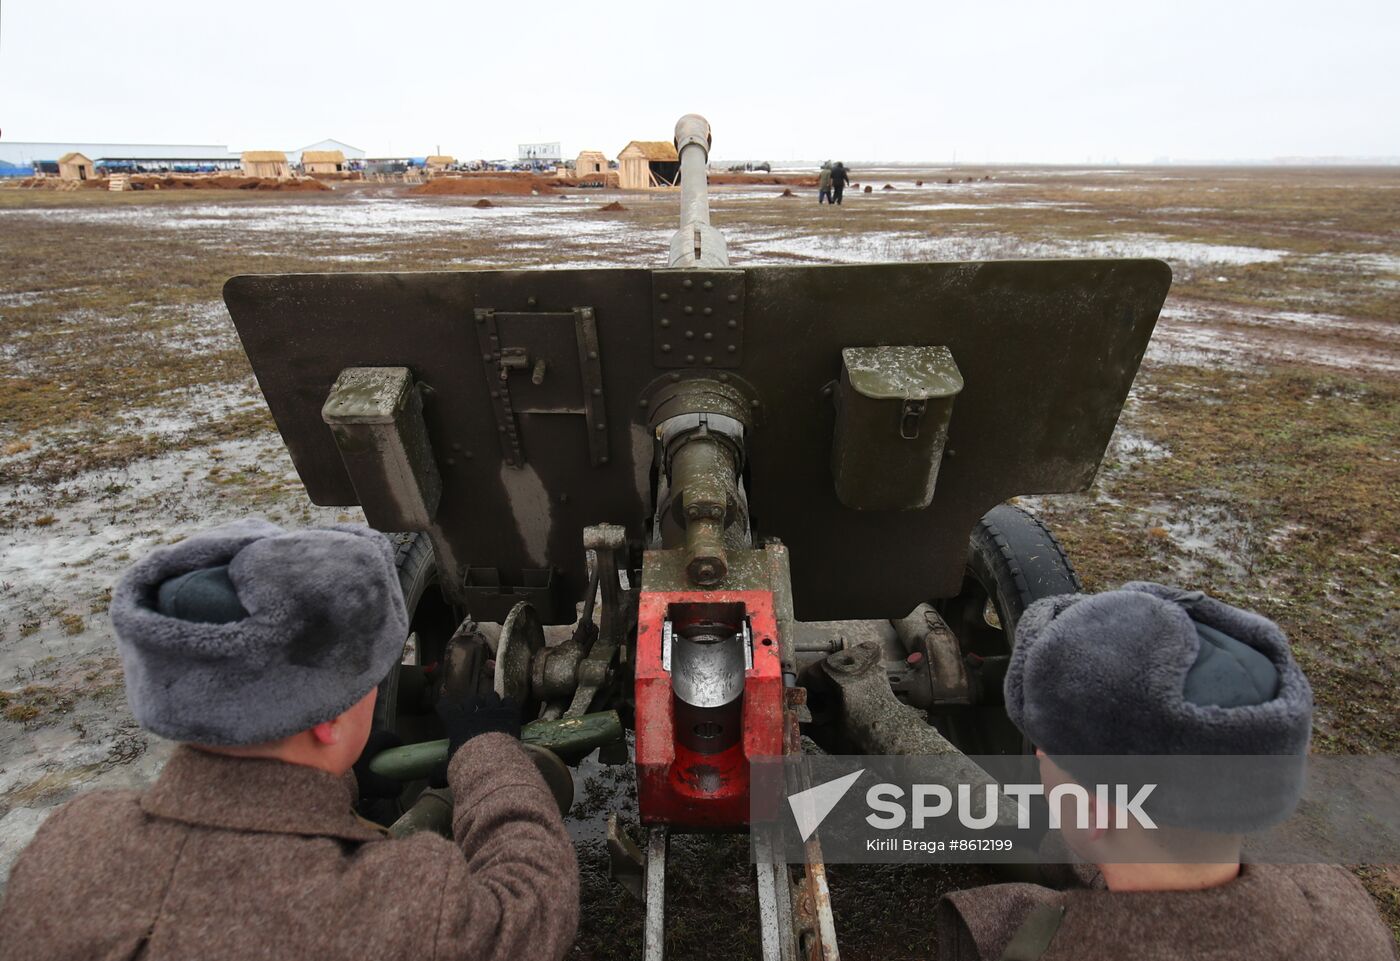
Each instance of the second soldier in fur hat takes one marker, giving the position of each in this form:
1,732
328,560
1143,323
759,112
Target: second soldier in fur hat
1154,675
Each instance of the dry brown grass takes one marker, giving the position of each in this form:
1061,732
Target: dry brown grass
1285,472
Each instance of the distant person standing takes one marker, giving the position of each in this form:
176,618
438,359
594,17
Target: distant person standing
824,185
840,177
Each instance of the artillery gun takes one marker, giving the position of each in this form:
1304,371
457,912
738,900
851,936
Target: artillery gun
749,503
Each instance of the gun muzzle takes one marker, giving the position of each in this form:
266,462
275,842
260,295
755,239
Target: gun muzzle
696,244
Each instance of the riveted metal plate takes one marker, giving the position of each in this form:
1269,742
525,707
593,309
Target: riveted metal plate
590,365
497,374
697,318
542,363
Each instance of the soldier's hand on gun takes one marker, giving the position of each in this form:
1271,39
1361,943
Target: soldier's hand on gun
465,716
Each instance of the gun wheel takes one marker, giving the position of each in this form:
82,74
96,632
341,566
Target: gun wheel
1013,561
403,701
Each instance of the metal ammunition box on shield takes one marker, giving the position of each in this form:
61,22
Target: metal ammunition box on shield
893,405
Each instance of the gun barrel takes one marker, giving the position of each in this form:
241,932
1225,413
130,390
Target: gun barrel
696,244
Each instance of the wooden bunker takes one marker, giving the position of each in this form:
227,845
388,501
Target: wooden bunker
646,164
322,162
265,163
75,166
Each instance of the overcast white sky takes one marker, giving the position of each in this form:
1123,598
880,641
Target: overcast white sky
991,80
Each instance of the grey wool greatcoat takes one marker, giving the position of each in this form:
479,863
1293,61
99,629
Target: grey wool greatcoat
1298,912
233,858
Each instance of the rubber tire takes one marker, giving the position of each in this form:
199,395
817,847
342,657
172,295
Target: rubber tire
1014,551
428,614
417,567
1013,561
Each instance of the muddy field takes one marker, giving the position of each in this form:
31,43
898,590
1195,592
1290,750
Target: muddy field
1258,457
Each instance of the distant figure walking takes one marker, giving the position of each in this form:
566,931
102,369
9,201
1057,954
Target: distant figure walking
824,185
840,176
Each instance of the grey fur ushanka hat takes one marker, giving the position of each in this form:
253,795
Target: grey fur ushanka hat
325,624
1153,670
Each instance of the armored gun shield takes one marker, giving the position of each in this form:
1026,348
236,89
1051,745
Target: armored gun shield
538,391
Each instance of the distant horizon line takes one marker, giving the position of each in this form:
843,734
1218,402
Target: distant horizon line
1325,160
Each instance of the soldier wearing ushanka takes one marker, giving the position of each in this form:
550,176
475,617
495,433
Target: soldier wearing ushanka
1151,670
261,650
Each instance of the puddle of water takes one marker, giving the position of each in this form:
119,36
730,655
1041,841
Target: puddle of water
599,791
23,299
909,246
1206,536
1190,333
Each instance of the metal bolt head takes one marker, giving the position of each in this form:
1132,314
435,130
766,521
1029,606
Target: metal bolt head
687,283
665,348
592,355
690,358
665,321
597,392
733,298
709,285
732,349
664,297
733,325
708,311
690,335
601,426
530,301
709,359
689,309
709,335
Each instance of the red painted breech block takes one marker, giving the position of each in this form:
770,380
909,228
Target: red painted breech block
677,786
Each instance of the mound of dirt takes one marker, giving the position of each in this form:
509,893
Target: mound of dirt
780,180
787,192
598,180
868,188
614,206
156,182
496,185
483,202
226,183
